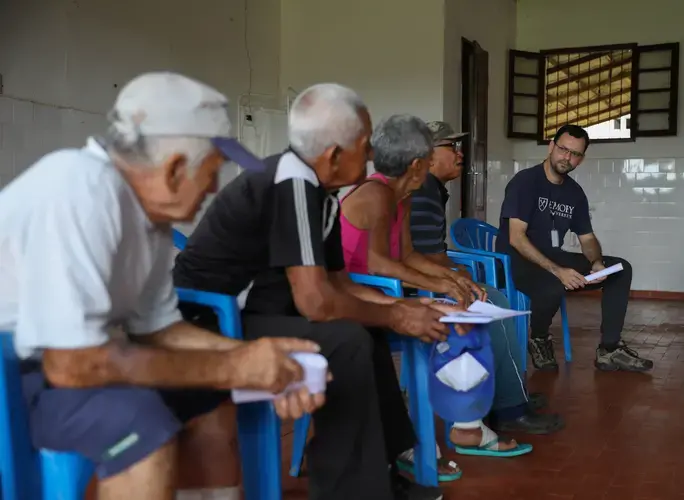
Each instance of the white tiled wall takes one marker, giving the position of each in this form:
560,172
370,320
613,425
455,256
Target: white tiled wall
28,131
63,62
637,210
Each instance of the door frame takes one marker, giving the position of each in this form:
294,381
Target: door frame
468,80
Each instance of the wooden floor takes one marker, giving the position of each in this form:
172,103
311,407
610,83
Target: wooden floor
623,430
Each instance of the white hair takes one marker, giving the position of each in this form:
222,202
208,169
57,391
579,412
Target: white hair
324,115
153,151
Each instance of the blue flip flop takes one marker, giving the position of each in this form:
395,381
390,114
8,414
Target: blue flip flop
487,451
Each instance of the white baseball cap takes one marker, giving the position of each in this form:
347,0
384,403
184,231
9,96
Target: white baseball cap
169,104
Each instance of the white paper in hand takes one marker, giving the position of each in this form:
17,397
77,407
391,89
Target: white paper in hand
604,272
463,373
481,313
315,375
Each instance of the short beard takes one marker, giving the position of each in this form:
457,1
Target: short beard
561,170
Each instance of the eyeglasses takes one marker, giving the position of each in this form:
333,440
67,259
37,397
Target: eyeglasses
455,146
574,154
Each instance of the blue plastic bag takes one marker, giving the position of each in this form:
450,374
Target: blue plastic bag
457,406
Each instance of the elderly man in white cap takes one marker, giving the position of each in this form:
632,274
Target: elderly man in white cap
85,248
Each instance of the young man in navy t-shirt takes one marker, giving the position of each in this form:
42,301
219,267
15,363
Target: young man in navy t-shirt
540,206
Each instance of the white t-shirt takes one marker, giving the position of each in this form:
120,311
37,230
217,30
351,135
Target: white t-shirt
79,257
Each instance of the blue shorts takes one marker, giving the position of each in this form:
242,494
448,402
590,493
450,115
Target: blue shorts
114,427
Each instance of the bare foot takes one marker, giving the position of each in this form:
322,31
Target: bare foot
473,437
445,467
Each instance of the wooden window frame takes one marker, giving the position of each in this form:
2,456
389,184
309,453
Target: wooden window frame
540,95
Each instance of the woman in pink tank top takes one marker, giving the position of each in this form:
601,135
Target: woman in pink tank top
375,215
376,239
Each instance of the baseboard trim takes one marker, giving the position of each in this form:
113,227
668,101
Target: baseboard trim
645,294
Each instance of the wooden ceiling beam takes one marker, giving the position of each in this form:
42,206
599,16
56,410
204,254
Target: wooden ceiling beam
576,108
595,87
575,62
587,74
593,118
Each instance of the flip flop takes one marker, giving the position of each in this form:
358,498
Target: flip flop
489,446
408,467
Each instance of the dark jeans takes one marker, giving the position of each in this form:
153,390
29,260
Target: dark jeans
546,292
364,424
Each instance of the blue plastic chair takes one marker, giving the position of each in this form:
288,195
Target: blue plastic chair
477,237
415,372
258,424
29,474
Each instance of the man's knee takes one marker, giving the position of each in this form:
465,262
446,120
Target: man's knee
344,339
115,428
626,272
348,346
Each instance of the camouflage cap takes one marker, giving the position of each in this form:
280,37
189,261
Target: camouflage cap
442,131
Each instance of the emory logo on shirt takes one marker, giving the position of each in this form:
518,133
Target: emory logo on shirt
556,209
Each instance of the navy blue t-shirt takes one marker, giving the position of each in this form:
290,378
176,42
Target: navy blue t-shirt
545,206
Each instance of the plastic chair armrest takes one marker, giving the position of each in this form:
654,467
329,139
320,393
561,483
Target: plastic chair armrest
389,286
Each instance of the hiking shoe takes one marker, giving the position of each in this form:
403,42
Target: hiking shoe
537,401
623,358
532,423
541,350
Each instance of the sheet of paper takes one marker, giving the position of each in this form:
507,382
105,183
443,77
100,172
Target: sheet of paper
605,272
481,313
315,372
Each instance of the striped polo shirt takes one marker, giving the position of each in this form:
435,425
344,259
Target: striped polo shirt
428,216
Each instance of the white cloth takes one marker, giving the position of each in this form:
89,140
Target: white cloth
79,257
463,373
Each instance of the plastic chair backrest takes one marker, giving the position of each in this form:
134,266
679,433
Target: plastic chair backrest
224,306
19,465
179,239
472,260
468,263
473,234
466,232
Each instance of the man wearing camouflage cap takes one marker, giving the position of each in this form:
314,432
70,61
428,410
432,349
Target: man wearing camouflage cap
513,410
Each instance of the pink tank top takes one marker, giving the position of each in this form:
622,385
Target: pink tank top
355,240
